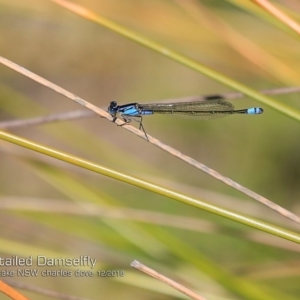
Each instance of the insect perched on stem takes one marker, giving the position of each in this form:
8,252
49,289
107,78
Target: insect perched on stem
210,108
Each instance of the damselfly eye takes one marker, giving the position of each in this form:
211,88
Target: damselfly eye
113,104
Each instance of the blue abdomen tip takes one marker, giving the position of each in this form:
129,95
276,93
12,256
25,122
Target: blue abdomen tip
255,111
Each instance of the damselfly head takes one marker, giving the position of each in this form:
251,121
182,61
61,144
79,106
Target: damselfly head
113,107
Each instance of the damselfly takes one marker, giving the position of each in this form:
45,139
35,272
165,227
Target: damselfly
210,108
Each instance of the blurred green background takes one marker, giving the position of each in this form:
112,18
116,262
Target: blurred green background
51,208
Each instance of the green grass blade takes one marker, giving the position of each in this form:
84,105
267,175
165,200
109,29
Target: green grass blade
188,62
150,187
